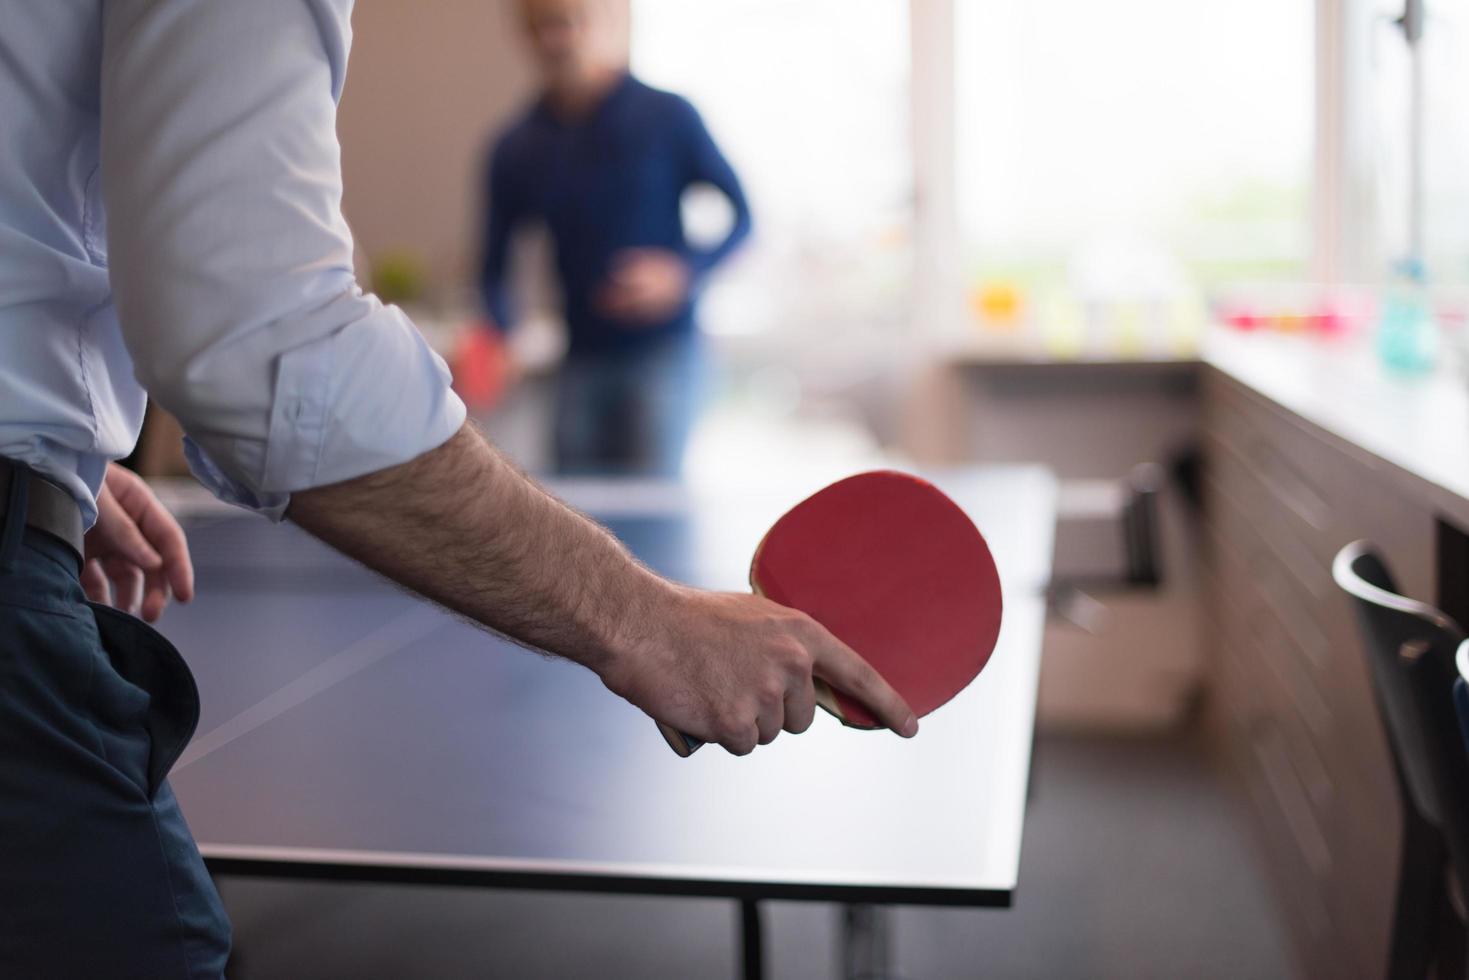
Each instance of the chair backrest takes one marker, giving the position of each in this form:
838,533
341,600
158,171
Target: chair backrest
1461,691
1411,648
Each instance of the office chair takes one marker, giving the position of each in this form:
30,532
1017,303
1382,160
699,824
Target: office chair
1410,649
1461,691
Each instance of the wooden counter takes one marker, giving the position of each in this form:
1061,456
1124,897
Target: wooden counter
1415,430
1308,447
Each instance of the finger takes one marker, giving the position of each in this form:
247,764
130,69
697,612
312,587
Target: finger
844,669
744,743
800,707
638,305
771,722
117,479
616,299
172,545
129,533
94,582
127,584
156,594
127,542
128,489
627,260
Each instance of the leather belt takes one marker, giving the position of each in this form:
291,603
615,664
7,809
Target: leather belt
49,508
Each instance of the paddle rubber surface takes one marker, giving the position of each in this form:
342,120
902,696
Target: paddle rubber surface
893,568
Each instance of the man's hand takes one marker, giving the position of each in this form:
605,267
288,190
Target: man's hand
138,545
463,527
645,287
736,669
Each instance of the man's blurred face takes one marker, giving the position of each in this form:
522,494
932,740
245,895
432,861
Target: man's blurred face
561,37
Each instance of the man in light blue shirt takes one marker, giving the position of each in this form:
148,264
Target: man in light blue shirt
170,224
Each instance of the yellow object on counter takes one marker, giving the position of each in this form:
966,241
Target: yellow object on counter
999,305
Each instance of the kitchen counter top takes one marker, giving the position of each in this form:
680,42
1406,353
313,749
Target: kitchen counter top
1416,428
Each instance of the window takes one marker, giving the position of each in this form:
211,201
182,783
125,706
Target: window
1129,153
810,103
1443,240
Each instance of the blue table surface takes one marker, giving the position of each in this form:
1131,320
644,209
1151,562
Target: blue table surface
344,719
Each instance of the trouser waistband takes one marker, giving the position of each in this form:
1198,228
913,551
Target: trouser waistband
29,500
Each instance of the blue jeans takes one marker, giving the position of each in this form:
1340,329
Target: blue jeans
99,876
629,413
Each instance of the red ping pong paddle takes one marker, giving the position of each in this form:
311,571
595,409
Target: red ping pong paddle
894,569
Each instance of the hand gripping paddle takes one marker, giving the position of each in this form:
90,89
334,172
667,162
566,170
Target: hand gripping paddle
894,569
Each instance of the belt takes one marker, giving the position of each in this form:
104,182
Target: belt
49,508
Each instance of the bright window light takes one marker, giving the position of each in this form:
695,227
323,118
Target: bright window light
1445,53
810,102
1139,147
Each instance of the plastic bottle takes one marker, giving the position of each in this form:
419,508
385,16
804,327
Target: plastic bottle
1407,331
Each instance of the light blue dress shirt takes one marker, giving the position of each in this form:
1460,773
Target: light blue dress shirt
170,223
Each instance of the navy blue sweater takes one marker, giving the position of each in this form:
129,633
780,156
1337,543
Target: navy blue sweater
603,183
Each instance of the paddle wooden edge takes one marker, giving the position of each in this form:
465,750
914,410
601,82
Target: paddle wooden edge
682,745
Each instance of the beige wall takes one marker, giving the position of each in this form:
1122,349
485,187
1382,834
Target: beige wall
428,83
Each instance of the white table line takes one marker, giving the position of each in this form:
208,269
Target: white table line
362,653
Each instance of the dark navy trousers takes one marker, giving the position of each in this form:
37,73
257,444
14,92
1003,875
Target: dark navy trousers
99,876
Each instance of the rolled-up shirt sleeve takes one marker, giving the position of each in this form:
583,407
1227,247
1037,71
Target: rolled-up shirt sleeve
230,262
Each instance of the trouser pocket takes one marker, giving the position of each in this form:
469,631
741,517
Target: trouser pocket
149,686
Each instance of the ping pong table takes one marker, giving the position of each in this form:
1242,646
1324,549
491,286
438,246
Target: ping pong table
350,731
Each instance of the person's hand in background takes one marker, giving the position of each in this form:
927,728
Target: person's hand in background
482,366
645,286
137,547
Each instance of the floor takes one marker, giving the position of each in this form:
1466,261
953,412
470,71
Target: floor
1136,865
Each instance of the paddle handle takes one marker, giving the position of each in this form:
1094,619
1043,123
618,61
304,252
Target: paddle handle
683,745
686,745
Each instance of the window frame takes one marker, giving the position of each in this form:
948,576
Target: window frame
1341,212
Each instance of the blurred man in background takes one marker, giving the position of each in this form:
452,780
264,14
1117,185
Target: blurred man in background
602,160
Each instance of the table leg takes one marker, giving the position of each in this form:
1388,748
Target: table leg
865,948
752,946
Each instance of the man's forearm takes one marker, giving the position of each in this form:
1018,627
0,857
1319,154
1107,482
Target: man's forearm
463,527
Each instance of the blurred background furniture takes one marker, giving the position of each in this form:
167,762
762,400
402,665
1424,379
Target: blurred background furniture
1308,448
1411,648
1126,549
1461,690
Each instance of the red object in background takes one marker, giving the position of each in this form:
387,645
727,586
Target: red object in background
1241,319
1345,312
1328,315
481,368
1332,321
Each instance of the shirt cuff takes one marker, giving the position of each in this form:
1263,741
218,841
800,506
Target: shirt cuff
369,396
